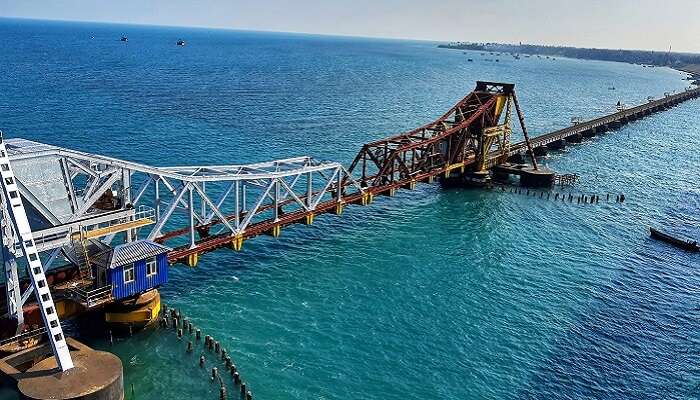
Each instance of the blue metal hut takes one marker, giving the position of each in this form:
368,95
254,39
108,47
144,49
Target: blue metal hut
136,267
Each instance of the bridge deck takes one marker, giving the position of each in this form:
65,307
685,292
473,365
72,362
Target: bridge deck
620,116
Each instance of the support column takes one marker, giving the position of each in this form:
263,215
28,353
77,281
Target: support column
126,193
190,206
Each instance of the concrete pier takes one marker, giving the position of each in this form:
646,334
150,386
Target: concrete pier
589,133
540,151
575,138
542,177
557,144
96,375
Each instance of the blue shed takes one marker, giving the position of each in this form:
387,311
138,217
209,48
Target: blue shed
136,267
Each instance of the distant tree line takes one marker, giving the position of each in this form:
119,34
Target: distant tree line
647,57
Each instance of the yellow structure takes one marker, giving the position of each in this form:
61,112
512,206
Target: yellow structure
108,230
136,313
450,168
237,242
192,260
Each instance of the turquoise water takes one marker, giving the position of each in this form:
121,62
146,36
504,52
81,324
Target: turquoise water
436,293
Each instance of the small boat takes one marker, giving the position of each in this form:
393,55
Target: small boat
180,42
470,60
124,39
682,243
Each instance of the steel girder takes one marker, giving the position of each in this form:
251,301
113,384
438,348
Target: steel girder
455,139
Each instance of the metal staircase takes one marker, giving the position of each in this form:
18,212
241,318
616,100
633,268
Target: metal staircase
20,224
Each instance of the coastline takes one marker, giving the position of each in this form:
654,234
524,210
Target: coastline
693,70
683,62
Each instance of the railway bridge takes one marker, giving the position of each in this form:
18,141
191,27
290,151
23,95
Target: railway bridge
63,209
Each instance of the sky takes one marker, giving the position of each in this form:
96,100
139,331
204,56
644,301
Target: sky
628,24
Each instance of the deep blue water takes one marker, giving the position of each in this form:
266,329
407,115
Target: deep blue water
449,294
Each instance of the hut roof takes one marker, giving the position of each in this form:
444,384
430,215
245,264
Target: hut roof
128,253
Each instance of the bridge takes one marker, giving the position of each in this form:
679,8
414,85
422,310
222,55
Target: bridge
575,133
60,204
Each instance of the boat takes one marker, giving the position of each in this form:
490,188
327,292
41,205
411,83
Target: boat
682,243
180,42
124,39
470,60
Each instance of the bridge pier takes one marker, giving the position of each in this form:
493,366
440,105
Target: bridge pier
540,151
575,138
500,176
543,177
557,144
96,374
589,133
516,158
476,178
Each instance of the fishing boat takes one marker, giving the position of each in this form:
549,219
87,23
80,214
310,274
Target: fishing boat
682,243
180,42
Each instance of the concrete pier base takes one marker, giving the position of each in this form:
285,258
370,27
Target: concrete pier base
589,133
575,138
500,176
516,158
540,151
557,145
96,375
476,179
542,177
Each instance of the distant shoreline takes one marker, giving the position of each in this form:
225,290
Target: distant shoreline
684,62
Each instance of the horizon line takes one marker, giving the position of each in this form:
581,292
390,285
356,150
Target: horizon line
340,35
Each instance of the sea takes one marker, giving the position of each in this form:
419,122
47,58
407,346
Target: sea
437,293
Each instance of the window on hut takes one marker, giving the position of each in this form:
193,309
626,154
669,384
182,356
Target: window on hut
129,273
151,266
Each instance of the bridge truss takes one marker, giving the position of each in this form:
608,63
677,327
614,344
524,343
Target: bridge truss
474,134
194,208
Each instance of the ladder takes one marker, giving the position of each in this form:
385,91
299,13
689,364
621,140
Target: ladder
82,257
20,223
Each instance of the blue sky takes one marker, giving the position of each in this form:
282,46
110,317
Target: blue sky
639,24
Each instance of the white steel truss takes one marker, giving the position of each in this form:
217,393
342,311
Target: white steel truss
13,209
188,204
